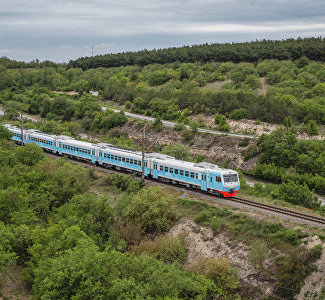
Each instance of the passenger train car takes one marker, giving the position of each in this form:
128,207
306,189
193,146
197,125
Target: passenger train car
203,176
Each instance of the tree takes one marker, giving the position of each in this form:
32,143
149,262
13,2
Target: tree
312,128
152,209
178,151
5,134
287,122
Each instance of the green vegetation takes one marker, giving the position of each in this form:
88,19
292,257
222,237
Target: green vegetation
300,49
288,270
298,165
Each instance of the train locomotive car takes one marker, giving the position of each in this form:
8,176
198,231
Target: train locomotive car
204,176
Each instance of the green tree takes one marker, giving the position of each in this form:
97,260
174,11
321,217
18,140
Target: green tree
5,134
151,208
178,151
312,128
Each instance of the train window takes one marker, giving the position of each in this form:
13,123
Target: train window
192,175
139,162
176,171
120,158
186,173
196,176
166,169
145,164
230,178
210,179
127,160
123,159
161,168
171,170
218,179
131,161
181,172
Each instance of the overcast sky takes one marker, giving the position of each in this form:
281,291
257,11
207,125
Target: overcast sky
60,30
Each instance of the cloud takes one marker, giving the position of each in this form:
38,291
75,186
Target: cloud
66,29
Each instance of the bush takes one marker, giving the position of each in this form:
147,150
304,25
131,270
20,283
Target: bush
178,151
166,248
238,114
244,143
5,134
221,272
298,194
125,182
220,119
152,208
250,152
179,126
312,128
158,124
187,135
224,128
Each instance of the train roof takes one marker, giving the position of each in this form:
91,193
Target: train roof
76,143
186,165
41,134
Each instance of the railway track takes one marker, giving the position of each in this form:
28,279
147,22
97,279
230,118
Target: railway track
266,207
279,210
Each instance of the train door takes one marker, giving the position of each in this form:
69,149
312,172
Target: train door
100,157
146,168
203,181
155,170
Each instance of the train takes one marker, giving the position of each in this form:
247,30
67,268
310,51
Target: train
203,176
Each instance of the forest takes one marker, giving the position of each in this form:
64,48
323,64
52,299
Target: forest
290,49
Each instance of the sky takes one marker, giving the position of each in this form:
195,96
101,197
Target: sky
61,30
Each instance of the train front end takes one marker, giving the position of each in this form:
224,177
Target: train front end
230,183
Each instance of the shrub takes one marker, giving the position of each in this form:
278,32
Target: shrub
187,135
178,151
312,128
238,114
221,272
244,142
124,182
166,248
158,124
179,126
203,217
250,152
219,119
151,208
5,134
130,232
298,194
224,128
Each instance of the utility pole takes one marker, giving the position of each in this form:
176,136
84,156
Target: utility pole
143,147
22,129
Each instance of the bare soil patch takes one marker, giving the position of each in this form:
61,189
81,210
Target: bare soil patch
215,85
14,286
202,242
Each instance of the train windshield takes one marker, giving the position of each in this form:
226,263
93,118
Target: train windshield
230,178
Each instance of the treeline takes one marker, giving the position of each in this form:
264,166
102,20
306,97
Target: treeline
13,64
313,48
